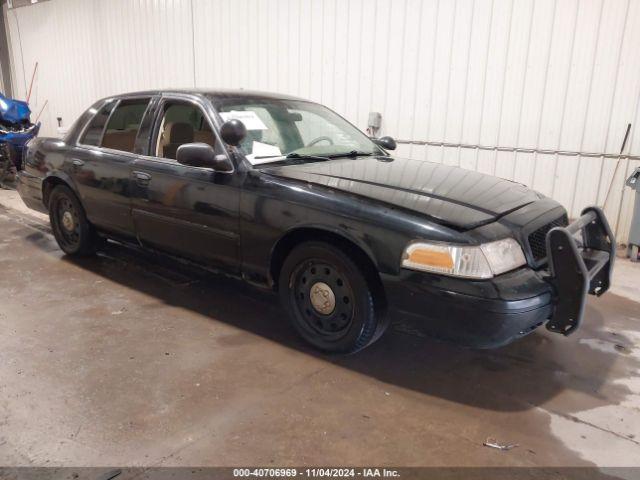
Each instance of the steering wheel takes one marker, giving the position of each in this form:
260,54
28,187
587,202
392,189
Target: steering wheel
318,140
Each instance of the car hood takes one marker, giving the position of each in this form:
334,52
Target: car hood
460,198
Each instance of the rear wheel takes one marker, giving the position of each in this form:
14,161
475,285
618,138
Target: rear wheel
328,298
73,232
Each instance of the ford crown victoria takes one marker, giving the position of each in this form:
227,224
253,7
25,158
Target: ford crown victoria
288,195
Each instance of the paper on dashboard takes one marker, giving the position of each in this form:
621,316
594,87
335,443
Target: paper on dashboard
259,149
250,119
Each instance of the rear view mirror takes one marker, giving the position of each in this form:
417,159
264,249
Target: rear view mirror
233,132
285,115
388,143
202,155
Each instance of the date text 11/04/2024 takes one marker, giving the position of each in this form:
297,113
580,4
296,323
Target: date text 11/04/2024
316,472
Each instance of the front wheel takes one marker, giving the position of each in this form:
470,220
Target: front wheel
328,299
73,232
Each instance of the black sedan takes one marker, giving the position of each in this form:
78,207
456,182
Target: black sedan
290,196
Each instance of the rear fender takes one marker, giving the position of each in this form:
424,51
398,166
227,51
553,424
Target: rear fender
54,178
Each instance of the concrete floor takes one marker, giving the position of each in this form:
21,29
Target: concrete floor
116,360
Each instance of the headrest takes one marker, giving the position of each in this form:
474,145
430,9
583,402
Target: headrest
179,132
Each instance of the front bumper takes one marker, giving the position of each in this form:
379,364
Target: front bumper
579,267
492,313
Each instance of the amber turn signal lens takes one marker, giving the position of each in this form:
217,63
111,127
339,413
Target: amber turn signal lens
432,258
468,261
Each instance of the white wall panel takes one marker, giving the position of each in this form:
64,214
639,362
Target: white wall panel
560,75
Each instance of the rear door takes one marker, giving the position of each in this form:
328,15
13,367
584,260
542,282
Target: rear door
190,211
101,163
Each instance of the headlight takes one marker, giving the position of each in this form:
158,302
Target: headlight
484,261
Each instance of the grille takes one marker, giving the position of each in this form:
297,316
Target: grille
537,239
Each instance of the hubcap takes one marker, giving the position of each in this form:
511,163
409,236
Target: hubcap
323,297
67,221
323,300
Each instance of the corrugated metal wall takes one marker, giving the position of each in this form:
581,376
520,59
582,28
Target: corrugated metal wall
544,74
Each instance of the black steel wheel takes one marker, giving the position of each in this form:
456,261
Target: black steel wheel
74,234
328,298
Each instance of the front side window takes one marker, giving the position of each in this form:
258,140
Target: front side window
93,133
123,125
182,122
281,128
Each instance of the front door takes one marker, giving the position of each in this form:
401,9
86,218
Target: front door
190,211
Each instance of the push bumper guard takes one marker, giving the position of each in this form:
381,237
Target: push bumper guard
578,267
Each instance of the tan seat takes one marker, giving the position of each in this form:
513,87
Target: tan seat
123,140
176,134
204,136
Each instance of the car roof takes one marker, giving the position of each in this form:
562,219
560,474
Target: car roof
217,94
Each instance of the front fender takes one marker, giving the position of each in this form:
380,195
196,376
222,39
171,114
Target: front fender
272,208
357,240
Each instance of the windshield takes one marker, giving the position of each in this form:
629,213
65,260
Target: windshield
280,129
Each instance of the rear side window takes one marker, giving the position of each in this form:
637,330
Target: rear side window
123,125
93,133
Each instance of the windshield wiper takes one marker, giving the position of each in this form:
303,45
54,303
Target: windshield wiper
313,158
292,155
307,157
281,159
267,156
352,153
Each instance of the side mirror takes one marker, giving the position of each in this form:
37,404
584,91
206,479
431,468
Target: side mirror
233,132
388,143
202,155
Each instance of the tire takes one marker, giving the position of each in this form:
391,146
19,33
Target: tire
73,232
328,298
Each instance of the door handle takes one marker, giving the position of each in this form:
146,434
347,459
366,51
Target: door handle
77,163
142,178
